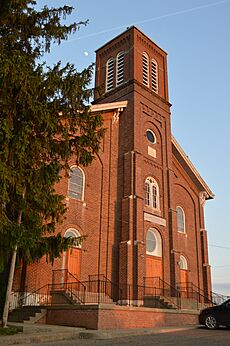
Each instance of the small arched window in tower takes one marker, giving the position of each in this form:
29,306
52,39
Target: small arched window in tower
76,183
109,74
152,193
120,68
180,220
145,67
153,243
154,71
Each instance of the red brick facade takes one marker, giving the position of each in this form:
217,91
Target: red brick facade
113,317
113,213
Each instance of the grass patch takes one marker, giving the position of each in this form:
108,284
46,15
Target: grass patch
8,331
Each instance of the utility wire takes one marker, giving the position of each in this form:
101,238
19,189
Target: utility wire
193,9
221,247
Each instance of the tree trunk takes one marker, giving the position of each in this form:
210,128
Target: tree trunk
11,274
9,288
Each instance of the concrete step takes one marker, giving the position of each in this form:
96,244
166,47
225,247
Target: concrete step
38,316
24,314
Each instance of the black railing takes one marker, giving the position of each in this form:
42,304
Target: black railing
39,297
154,293
159,288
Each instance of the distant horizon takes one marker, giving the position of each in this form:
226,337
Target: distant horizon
221,288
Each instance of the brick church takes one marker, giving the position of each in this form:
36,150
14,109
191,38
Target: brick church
141,202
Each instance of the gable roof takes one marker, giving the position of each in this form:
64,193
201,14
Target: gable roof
190,169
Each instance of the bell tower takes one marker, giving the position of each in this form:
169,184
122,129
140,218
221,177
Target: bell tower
128,58
132,68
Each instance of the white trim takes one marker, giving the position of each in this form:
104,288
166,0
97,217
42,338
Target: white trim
109,80
210,194
83,184
108,106
158,240
154,70
145,69
152,183
155,138
73,234
184,231
120,68
183,263
154,219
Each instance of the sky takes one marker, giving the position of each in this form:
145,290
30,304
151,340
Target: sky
196,36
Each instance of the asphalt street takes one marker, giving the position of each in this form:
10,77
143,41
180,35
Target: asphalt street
199,336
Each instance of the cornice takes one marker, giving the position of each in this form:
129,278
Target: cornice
196,174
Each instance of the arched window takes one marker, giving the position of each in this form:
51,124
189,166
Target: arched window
73,233
145,68
109,74
76,183
183,264
120,68
152,193
153,243
154,72
180,219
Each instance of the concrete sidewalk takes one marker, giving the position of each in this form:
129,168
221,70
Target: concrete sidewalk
35,333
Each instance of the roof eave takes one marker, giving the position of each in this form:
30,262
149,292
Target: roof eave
210,194
102,107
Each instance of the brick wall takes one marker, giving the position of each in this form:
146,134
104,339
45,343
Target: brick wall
112,212
119,317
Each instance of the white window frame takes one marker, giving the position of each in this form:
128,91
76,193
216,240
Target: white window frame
158,239
120,68
109,74
183,263
83,184
154,76
73,233
152,198
180,230
145,69
154,136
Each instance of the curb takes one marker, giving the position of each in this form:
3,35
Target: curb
111,334
36,338
53,335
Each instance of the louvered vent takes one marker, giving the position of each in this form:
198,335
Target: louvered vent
154,76
109,74
145,62
120,68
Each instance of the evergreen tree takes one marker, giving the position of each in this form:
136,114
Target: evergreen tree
44,121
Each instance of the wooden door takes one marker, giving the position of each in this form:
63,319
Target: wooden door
184,283
73,261
154,274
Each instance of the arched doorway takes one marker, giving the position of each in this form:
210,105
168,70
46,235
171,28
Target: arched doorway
154,263
183,265
72,257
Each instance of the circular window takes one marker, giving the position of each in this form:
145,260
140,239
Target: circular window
150,242
150,136
153,243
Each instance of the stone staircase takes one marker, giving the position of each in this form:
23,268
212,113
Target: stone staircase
27,314
159,302
89,297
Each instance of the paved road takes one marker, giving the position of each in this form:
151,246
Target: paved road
198,337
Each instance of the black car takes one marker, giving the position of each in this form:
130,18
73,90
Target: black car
215,316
